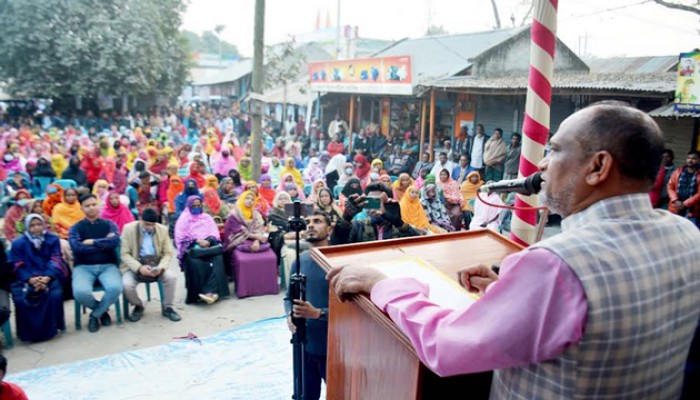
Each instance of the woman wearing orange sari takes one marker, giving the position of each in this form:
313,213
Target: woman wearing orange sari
54,196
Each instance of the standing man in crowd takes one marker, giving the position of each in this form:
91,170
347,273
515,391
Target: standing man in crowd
588,336
476,146
147,254
94,242
315,309
512,163
659,195
443,163
684,189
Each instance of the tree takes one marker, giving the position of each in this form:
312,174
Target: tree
434,30
58,48
284,65
209,43
689,6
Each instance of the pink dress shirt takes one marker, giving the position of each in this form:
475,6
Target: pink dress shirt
533,312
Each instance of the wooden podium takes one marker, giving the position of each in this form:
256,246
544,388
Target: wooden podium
368,356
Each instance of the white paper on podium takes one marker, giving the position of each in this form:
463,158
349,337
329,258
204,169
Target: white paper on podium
444,291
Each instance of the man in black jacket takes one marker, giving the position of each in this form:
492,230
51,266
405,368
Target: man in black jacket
383,223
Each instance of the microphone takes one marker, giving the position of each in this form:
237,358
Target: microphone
525,186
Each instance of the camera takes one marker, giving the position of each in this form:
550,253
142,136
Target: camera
298,210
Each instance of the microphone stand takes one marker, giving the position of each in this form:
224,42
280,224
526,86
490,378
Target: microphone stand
297,290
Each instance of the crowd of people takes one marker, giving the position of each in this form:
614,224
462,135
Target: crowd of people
120,200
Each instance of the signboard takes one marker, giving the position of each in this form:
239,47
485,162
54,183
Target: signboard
381,76
687,97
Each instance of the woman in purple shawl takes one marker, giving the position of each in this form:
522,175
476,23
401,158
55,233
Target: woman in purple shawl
196,231
252,258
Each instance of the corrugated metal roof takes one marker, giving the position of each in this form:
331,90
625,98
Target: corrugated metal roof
657,83
434,57
230,74
667,111
633,65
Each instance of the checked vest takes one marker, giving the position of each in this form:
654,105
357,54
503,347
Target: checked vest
640,269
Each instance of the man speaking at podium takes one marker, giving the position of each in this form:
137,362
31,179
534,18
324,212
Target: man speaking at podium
606,309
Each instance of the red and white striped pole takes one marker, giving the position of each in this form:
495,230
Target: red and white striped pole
537,109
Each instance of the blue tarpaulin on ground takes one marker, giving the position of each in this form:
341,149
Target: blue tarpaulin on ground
253,361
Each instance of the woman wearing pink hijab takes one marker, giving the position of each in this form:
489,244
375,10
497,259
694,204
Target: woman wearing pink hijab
224,164
115,211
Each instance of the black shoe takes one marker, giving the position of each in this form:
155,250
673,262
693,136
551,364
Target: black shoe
105,319
172,314
94,324
136,315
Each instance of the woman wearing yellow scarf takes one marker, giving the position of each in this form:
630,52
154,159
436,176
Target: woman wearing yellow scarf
468,189
412,212
255,264
59,164
291,168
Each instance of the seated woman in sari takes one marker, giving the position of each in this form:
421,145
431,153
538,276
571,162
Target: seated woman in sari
434,208
205,278
413,213
254,262
316,186
67,213
278,223
288,179
37,291
227,191
14,213
215,208
327,204
266,191
260,204
115,211
54,195
453,198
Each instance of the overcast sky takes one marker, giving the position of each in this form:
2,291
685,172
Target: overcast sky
612,27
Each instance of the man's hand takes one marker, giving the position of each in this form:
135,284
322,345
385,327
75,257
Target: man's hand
290,325
304,309
353,206
203,243
678,205
353,279
111,234
146,270
88,242
476,278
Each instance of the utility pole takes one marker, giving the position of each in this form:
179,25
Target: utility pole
256,86
337,35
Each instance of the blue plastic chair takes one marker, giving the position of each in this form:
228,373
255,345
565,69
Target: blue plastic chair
66,183
39,185
7,332
97,287
161,289
336,191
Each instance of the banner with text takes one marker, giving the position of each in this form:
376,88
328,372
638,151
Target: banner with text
381,76
688,84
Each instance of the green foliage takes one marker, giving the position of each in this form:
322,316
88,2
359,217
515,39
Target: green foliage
284,64
208,43
56,48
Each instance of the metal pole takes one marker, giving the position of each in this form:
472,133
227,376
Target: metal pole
256,86
431,146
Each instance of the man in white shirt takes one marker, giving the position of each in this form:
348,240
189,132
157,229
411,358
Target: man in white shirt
476,149
443,163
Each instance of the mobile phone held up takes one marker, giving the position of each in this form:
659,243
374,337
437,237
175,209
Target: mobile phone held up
372,203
